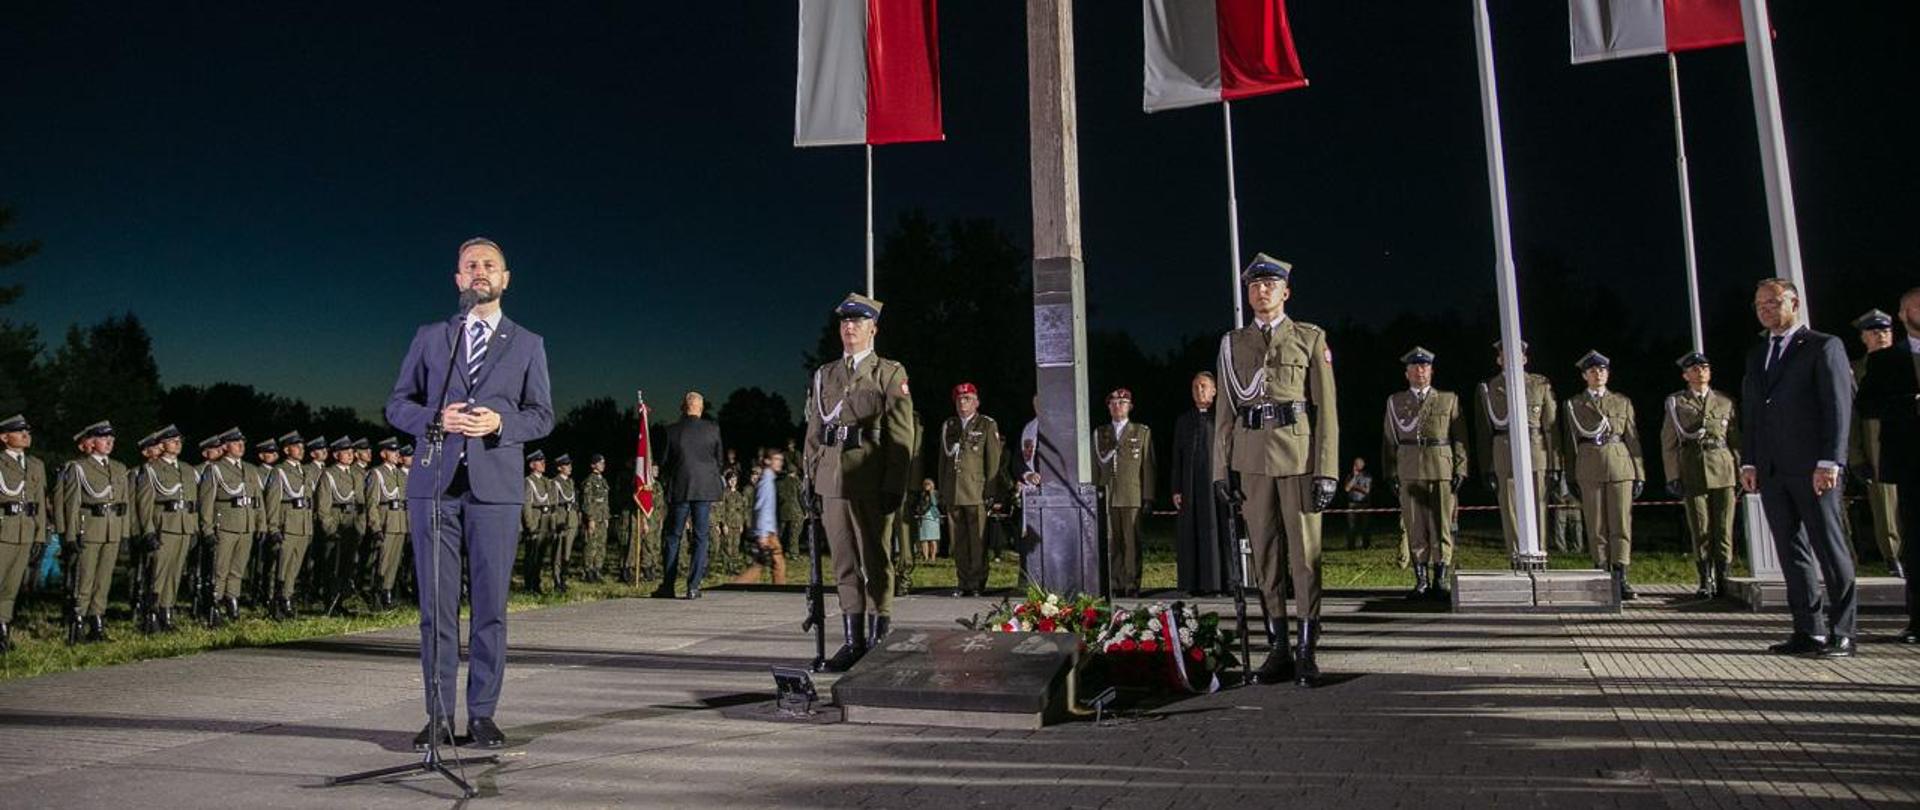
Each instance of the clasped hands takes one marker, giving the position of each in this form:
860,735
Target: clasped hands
470,420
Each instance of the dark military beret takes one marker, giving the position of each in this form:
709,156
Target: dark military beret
1592,359
1874,319
857,306
100,428
1418,356
1264,266
1691,359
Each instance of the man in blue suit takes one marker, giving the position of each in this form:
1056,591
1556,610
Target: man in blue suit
1890,392
1796,403
489,376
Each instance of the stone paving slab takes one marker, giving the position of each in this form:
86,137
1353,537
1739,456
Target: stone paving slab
641,703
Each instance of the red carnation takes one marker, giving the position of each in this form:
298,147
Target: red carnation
1129,645
1090,616
1046,625
1018,609
1197,655
1150,646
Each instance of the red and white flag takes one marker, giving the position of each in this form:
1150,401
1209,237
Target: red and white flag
1616,29
643,459
869,73
1205,51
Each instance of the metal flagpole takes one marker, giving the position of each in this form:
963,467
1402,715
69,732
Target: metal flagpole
1686,204
1773,148
1528,556
1233,220
869,220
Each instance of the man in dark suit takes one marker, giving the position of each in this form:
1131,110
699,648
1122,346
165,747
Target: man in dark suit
496,398
1196,549
690,459
1797,401
1890,392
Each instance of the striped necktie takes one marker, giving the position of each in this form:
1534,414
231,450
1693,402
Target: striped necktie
476,352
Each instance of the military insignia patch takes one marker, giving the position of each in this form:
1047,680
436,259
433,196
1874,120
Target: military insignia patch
1326,353
903,389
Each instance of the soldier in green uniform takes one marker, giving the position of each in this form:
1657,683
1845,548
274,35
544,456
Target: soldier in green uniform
729,515
650,525
23,515
596,513
317,452
266,453
1698,438
900,526
386,499
1883,499
1603,444
289,498
1423,449
227,516
1277,432
857,460
1496,456
537,521
792,516
971,464
566,520
91,505
339,513
166,517
1124,467
141,546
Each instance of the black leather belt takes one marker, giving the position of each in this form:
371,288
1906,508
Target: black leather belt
544,509
1531,431
299,503
242,502
1271,414
1424,442
847,437
1707,444
396,506
105,509
349,508
1599,440
173,506
19,508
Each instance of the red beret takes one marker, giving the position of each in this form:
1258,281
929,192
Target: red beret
1120,393
965,388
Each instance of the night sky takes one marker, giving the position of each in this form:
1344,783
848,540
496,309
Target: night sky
277,189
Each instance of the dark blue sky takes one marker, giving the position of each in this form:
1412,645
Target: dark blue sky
277,188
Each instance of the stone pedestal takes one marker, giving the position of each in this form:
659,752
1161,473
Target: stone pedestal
1589,591
964,678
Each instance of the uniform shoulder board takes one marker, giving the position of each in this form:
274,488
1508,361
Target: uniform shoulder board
1307,327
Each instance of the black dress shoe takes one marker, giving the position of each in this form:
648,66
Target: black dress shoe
485,734
1837,647
1911,635
1797,644
446,735
662,593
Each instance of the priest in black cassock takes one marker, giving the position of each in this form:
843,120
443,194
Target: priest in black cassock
1196,546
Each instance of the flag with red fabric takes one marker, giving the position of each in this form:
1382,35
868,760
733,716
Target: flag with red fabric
643,459
1206,51
869,73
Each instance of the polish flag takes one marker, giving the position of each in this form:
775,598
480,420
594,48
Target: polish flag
1616,29
643,459
869,73
1205,51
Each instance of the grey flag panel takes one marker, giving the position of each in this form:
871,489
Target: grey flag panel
830,96
1182,54
1614,29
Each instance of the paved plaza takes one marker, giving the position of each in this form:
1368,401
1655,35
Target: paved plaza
653,703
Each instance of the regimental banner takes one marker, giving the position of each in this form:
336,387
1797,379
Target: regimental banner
869,73
643,493
1207,51
1617,29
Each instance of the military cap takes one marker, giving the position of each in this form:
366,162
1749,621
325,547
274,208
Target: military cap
1120,393
100,428
596,458
1874,319
291,437
317,443
16,422
149,440
232,435
1418,356
965,388
563,460
163,434
1592,359
1523,345
537,455
266,446
1691,359
857,306
389,443
362,444
342,443
211,443
406,449
1264,266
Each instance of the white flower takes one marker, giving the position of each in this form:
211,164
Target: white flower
1049,610
1154,625
1186,637
1053,599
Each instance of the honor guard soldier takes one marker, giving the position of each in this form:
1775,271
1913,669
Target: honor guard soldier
1496,457
266,453
1883,499
362,456
970,465
228,503
567,523
596,512
1424,452
23,516
340,513
211,449
317,452
1277,432
289,518
386,499
142,545
91,506
167,517
537,521
1603,445
1124,467
1697,438
858,461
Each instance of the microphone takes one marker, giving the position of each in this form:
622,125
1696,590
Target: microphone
468,298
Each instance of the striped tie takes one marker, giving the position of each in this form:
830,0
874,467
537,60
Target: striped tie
476,352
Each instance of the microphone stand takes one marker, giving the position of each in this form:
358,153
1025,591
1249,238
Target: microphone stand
432,761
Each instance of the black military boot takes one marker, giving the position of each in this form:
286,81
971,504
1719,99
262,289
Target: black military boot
1720,579
1420,583
1278,668
233,608
878,625
1706,580
6,638
74,631
1438,591
560,581
1276,635
96,629
854,625
1620,581
1306,673
165,620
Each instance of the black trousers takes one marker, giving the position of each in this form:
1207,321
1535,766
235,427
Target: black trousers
1812,544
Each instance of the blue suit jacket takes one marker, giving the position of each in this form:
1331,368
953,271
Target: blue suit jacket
513,383
1797,415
